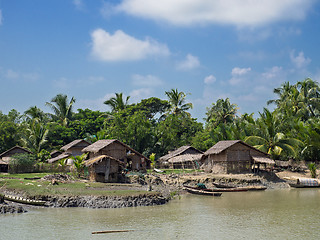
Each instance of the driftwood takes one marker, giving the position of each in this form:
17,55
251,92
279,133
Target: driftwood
112,231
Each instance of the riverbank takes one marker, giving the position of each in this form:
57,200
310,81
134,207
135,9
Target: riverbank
153,189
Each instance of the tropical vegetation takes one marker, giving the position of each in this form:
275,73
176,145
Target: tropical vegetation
287,128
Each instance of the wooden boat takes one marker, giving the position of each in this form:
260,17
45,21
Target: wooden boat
199,191
249,188
24,201
305,183
235,189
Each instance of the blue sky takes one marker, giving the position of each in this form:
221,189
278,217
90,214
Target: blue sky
241,49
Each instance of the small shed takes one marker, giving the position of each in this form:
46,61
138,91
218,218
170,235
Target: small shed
183,157
71,149
107,159
6,156
233,156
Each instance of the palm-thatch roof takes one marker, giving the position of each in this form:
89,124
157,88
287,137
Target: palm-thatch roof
100,144
74,143
3,162
185,158
13,148
178,152
223,145
98,159
263,160
61,156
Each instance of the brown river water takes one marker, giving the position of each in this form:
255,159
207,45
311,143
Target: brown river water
272,214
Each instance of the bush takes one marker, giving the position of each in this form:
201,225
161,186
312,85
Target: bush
22,163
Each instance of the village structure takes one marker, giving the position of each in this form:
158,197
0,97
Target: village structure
108,160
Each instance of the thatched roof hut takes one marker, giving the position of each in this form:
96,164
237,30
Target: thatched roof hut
183,157
5,157
107,159
233,156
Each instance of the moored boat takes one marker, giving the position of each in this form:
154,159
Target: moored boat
305,183
24,201
199,191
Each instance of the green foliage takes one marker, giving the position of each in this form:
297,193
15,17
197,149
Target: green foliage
117,103
313,169
177,101
78,163
22,163
152,157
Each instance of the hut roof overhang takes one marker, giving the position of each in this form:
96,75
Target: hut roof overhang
224,145
179,151
99,145
61,156
263,160
3,162
185,158
98,159
11,149
74,143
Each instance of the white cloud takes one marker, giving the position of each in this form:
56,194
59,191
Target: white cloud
299,61
137,94
210,79
78,4
146,81
14,75
238,75
240,71
123,47
234,12
272,73
191,62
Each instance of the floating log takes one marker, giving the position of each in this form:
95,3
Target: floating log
112,231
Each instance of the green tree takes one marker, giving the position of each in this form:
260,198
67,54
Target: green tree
62,108
117,103
177,102
270,139
221,112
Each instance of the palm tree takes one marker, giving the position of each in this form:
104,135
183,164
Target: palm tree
270,139
35,112
221,112
177,102
61,108
117,103
35,135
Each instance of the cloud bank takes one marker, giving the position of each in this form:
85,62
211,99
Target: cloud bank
123,47
233,12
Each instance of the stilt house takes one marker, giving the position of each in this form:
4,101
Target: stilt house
234,157
183,157
108,158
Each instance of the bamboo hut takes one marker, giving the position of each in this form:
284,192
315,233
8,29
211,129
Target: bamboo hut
71,149
183,157
6,156
234,157
107,159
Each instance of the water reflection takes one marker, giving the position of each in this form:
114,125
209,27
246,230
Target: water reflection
276,214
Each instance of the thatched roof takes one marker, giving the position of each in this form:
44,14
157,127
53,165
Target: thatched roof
74,143
177,152
98,159
12,149
3,162
99,145
223,145
61,156
185,158
263,160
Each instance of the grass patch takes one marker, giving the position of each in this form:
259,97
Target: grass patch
16,182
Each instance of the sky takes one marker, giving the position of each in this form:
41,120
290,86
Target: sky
210,49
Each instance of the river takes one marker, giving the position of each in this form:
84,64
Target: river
272,214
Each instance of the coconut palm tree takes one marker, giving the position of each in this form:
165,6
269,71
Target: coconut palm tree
35,112
221,112
61,108
117,103
270,139
177,102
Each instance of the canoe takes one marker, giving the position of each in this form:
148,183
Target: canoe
202,191
235,189
24,201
